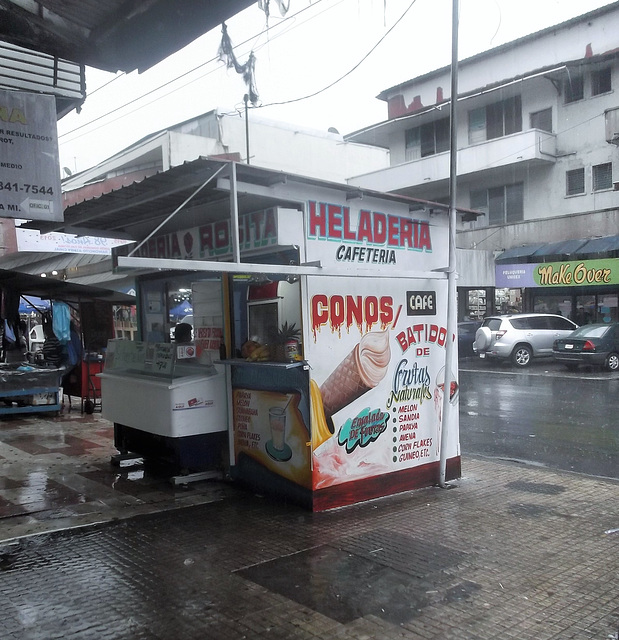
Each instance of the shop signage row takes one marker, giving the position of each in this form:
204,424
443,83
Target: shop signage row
335,234
570,273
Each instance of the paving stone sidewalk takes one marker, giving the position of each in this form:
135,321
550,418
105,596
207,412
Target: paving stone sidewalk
512,552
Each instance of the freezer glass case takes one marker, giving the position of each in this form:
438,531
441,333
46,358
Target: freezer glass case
163,389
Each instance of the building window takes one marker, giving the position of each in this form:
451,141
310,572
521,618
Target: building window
600,81
542,120
495,120
575,182
602,176
573,88
503,205
427,140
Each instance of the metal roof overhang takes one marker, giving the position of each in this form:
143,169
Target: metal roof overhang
50,289
115,35
136,210
159,204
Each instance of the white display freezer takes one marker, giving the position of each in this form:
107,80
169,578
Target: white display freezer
186,406
165,404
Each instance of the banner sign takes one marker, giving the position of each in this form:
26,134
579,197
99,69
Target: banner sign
377,377
572,273
213,240
53,242
29,165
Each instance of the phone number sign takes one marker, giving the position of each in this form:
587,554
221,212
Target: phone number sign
29,166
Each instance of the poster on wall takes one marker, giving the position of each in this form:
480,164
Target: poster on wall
29,166
378,377
207,317
269,429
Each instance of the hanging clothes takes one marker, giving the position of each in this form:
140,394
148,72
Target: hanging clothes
61,319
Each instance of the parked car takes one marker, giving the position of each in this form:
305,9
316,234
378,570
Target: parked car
466,337
520,337
593,344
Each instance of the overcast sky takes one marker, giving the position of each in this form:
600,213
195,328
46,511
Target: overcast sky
318,43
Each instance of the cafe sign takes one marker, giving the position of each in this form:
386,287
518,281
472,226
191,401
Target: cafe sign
570,273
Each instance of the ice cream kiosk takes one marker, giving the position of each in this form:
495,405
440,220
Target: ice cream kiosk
331,310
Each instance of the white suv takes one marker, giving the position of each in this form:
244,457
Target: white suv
520,337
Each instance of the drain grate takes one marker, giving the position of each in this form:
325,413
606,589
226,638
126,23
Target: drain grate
543,488
534,510
381,573
342,586
412,555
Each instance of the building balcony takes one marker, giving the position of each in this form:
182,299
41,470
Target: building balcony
526,148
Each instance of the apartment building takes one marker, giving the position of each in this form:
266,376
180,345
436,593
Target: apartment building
537,134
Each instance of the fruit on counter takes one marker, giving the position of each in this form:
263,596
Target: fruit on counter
260,354
249,347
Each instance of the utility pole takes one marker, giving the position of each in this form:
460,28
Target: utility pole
246,100
452,302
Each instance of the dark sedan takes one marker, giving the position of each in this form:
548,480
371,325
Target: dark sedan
593,344
466,337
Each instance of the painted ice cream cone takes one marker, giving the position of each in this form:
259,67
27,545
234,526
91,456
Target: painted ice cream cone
362,369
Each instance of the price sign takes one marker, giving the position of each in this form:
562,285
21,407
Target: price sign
163,360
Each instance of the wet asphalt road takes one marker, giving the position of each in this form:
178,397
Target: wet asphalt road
542,415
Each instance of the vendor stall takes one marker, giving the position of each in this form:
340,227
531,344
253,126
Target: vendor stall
326,308
26,388
34,378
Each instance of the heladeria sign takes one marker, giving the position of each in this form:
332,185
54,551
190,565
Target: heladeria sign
29,168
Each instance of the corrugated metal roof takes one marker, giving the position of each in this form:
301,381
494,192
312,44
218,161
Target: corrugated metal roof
138,208
114,35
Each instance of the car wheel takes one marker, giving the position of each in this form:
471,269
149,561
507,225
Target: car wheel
612,362
483,338
522,355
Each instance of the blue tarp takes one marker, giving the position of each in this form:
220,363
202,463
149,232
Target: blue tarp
30,304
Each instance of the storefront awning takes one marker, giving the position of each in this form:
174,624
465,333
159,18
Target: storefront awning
519,252
599,245
564,248
578,247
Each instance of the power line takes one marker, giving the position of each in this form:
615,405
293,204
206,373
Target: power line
356,66
173,80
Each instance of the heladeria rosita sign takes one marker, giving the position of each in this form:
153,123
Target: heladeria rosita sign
377,384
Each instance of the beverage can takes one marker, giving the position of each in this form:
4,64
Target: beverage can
292,350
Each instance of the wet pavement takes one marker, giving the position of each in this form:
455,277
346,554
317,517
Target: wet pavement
56,472
544,415
512,551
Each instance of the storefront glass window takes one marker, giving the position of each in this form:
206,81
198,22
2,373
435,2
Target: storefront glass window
607,308
508,300
559,304
476,307
586,311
